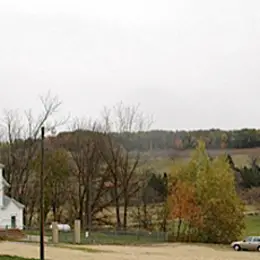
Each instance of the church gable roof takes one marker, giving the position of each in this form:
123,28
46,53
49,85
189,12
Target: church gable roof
7,200
5,183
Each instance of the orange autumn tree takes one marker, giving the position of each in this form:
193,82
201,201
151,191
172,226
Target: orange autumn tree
184,209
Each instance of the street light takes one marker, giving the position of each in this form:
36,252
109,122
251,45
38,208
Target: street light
42,196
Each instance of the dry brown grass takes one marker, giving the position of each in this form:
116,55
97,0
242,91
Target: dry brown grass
164,252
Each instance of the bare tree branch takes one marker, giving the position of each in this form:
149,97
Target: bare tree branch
21,132
121,122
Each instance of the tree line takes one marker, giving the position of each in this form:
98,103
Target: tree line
181,140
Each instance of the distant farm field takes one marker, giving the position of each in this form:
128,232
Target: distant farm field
163,161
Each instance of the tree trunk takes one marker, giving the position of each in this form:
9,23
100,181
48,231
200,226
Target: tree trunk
117,204
59,215
139,217
29,213
178,229
54,210
80,213
125,212
118,218
189,233
25,217
45,215
164,219
145,222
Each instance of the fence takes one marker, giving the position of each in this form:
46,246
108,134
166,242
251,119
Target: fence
115,237
107,237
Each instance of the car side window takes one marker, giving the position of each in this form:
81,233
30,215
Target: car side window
256,239
249,239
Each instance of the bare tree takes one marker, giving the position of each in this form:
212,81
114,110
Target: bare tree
120,124
90,174
146,195
21,143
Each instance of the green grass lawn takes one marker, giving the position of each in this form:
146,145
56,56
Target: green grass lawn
8,257
252,226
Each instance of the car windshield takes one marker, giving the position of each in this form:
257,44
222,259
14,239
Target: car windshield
248,239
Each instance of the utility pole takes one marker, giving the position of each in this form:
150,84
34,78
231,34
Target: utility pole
42,197
89,203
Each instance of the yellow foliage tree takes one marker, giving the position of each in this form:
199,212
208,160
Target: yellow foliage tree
212,184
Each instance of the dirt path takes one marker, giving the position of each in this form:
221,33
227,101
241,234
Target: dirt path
163,252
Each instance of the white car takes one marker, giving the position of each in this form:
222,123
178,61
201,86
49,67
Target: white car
63,227
251,243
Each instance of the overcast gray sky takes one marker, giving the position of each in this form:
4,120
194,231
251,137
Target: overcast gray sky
192,64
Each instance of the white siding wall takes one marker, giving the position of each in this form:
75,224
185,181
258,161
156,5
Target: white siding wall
7,213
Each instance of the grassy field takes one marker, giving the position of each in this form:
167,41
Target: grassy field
164,163
252,226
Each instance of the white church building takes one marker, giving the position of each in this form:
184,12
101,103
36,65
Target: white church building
11,211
